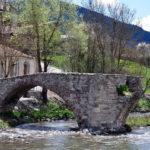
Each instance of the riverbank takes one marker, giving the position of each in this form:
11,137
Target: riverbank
50,112
134,120
138,120
4,124
54,111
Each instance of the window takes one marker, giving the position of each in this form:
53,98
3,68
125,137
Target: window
26,69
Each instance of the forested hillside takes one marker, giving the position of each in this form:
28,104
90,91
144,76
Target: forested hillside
140,35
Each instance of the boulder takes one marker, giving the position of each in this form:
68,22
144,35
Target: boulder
27,104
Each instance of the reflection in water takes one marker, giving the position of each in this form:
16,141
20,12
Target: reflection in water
42,137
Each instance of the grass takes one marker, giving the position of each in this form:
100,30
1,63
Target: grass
137,69
52,110
140,70
4,124
60,61
138,121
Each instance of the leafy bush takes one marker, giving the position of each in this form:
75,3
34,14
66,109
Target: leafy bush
143,105
11,114
122,89
52,110
16,113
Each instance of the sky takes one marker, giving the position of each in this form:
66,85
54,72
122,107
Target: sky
141,7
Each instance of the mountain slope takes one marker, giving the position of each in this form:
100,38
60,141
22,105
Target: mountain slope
140,35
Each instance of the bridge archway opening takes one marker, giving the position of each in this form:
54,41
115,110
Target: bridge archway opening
17,97
37,93
19,93
33,98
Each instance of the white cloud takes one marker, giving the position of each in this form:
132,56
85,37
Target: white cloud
145,22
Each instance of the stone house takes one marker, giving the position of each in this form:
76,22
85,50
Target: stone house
16,63
12,61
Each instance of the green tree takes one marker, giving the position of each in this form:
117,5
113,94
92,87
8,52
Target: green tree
43,22
47,19
75,45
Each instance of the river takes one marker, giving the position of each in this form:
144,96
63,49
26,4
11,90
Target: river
57,135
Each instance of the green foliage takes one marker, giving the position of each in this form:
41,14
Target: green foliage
75,47
43,22
143,105
16,113
4,124
52,110
134,68
138,121
122,89
11,114
60,61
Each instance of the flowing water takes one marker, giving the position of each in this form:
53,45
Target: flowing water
58,136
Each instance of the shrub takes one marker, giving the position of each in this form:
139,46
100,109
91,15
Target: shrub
143,105
123,89
50,111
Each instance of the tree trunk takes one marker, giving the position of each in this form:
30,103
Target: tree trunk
38,49
44,90
44,95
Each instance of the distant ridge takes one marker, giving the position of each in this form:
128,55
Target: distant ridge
140,35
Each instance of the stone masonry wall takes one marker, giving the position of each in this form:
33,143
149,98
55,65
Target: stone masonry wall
92,97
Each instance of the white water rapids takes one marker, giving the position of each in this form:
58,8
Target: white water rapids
56,136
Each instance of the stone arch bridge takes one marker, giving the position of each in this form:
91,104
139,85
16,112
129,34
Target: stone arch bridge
92,97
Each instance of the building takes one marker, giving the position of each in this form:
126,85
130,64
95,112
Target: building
16,63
